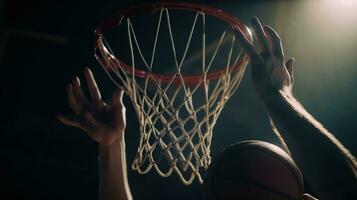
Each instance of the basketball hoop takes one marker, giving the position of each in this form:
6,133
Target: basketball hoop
176,107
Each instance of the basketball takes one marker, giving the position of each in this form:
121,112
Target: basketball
253,170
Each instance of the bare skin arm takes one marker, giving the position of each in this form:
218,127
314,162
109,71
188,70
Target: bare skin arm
104,123
327,165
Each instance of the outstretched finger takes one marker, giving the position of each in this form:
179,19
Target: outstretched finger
72,102
117,97
260,35
246,45
276,45
68,121
92,86
78,92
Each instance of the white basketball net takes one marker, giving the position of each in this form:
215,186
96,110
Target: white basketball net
175,127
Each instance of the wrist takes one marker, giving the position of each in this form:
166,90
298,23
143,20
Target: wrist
110,138
284,101
277,96
106,151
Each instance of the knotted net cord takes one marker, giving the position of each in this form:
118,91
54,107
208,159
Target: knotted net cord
172,124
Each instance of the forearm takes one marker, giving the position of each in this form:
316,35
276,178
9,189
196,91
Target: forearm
113,173
327,164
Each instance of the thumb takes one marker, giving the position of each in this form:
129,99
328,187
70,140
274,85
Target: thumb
68,120
289,65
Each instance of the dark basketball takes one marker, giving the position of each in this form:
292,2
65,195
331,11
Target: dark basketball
253,170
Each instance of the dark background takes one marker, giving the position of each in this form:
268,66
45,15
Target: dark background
44,44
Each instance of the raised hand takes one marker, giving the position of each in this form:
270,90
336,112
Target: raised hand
270,72
104,123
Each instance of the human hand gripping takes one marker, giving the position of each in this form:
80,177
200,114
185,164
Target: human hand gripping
271,74
104,123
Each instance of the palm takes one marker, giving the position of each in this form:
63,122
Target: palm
271,74
104,123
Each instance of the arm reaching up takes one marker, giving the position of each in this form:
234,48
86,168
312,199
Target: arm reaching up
327,165
104,123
